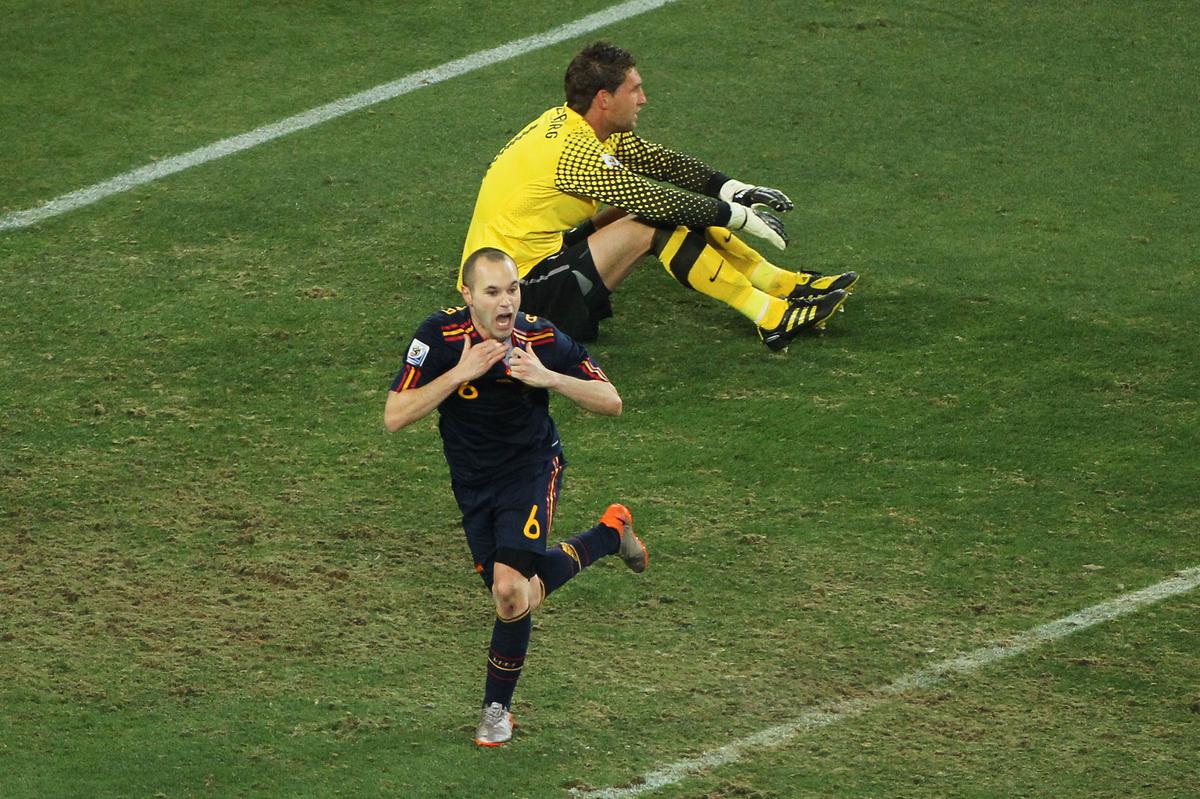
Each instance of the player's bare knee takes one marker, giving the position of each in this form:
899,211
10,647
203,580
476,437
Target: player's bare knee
511,598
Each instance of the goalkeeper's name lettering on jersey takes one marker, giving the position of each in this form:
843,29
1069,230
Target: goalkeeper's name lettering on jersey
554,124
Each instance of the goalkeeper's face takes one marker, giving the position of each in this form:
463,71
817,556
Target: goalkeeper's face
494,295
623,105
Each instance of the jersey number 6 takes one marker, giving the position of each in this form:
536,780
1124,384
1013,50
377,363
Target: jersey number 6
532,528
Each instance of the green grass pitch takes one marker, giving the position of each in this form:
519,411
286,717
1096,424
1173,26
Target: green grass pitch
219,577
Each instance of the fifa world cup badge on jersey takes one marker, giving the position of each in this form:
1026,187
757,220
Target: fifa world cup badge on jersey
610,161
417,352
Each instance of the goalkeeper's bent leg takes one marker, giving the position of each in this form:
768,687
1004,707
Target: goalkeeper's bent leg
693,262
763,274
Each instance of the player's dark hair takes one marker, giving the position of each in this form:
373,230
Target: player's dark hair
598,66
490,253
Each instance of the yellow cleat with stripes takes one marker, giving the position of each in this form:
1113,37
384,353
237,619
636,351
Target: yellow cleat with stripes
802,315
815,284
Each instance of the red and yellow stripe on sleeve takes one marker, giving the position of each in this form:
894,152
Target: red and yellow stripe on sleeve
410,379
593,371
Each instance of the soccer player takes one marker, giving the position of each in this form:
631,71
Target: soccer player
540,197
489,370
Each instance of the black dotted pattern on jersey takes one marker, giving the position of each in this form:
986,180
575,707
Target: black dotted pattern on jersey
582,170
655,161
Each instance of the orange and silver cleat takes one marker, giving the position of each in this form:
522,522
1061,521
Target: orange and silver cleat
632,550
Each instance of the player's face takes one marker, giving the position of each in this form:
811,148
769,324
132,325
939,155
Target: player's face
494,297
625,102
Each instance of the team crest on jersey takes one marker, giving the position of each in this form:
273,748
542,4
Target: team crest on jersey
610,161
417,352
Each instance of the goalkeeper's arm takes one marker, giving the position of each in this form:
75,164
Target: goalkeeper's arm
657,162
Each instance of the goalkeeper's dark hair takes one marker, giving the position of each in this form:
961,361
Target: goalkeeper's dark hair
490,253
598,66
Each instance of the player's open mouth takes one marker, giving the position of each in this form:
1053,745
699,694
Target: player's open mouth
504,319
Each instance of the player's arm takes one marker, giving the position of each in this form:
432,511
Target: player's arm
408,405
663,205
634,194
597,396
658,162
662,163
586,171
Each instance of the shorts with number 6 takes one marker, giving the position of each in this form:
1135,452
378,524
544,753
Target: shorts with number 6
509,519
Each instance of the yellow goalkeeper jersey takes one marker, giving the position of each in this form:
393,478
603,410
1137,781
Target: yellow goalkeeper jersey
553,175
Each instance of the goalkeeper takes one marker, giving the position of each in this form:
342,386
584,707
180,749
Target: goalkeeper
540,202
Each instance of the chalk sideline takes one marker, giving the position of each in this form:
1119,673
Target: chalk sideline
315,116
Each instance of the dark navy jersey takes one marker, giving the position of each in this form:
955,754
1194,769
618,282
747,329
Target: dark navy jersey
493,424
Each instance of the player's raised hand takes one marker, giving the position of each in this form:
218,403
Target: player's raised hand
734,191
478,358
526,366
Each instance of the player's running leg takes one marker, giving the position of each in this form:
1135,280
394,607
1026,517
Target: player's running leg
519,597
506,653
613,535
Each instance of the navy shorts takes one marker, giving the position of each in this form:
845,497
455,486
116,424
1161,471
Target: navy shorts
566,289
509,520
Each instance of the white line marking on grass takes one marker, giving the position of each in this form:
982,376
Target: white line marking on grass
833,712
324,113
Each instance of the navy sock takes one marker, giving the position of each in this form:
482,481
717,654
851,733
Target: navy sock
566,559
510,642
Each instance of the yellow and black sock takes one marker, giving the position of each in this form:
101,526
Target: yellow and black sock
763,274
691,260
